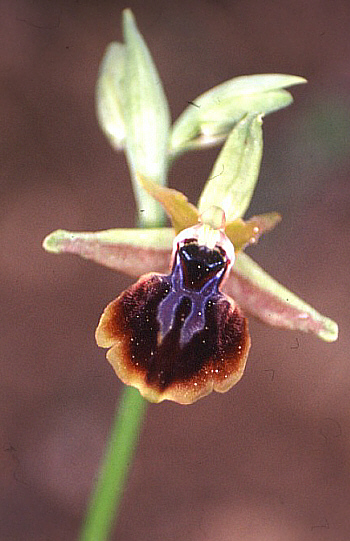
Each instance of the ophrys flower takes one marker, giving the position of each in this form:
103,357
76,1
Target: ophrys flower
180,331
177,336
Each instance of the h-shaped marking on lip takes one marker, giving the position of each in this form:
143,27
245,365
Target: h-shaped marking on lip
195,321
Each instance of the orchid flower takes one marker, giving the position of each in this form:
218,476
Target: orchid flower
181,330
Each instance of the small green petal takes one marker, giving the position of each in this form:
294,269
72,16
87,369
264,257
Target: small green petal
214,113
181,213
132,251
243,233
147,118
233,178
263,297
110,98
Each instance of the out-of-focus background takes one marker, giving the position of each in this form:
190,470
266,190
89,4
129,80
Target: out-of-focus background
269,460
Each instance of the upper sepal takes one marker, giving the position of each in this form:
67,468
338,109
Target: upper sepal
232,180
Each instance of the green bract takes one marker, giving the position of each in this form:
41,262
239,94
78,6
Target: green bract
146,118
110,95
133,112
211,116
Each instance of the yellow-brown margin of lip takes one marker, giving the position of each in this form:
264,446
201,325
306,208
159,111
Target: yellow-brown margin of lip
117,355
186,393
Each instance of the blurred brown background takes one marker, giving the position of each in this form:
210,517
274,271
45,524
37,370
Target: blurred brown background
268,461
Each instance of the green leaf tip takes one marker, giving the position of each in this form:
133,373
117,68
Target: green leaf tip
128,16
52,242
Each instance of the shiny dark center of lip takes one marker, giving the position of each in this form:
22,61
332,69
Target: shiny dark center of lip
196,276
199,264
193,347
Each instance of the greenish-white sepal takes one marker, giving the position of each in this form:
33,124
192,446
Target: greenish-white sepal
147,119
262,296
132,251
219,119
158,237
248,84
233,178
214,122
235,97
200,143
110,94
184,130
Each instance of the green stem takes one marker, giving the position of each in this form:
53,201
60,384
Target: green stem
103,507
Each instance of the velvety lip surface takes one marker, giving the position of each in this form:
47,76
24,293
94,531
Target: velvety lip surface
160,367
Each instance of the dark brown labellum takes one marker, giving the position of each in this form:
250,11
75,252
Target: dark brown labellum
178,337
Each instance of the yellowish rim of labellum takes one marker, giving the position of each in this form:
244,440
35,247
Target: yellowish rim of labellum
163,367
